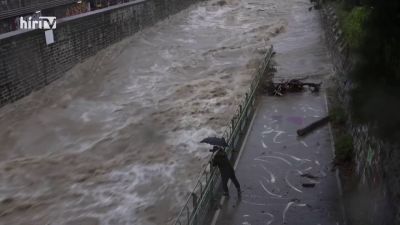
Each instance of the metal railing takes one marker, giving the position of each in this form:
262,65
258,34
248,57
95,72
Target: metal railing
12,8
20,7
199,202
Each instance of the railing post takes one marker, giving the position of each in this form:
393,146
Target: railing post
201,190
195,203
187,215
233,125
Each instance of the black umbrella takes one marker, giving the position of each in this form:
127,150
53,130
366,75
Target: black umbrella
215,141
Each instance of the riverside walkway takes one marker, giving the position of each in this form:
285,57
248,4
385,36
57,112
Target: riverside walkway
286,179
275,165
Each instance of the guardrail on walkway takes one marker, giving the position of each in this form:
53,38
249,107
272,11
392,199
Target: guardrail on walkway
199,202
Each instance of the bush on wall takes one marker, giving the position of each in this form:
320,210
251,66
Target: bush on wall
353,26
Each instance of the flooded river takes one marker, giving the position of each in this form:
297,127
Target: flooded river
115,141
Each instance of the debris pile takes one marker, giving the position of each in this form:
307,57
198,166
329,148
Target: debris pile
293,85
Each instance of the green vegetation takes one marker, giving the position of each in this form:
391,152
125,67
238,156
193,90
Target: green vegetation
372,30
337,116
353,26
343,140
344,148
377,74
352,21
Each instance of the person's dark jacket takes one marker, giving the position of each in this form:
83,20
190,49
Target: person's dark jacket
221,160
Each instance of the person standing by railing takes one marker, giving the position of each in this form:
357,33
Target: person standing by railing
226,169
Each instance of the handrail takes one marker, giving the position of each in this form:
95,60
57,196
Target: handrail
17,9
202,193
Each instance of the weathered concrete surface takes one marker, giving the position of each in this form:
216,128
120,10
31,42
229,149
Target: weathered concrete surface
274,159
28,64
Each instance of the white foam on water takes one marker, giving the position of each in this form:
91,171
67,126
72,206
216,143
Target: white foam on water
190,139
120,190
119,134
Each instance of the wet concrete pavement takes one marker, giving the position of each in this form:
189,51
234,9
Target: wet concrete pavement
274,163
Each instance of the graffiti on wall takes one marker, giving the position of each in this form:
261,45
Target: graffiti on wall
376,160
367,156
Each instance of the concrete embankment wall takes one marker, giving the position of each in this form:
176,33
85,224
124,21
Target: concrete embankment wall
376,197
28,64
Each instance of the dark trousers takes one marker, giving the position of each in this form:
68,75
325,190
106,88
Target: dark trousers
225,179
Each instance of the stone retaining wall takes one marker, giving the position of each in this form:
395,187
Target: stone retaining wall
377,162
28,64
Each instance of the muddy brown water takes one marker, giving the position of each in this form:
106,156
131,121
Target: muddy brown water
115,141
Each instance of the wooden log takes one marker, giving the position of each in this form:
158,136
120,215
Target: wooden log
312,126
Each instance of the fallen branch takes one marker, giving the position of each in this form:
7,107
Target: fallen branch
312,126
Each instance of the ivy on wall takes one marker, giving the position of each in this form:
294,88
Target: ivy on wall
353,26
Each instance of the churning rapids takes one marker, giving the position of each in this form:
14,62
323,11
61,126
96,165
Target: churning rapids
115,141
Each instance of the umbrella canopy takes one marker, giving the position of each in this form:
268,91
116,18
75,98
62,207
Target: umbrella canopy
215,141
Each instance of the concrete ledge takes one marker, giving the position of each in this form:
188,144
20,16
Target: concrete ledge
65,20
27,63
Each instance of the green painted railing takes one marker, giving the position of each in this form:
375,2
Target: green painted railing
199,203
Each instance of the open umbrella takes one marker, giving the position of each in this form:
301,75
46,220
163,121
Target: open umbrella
215,141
